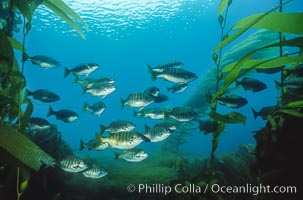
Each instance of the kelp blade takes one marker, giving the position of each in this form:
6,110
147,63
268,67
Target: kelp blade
279,22
65,17
23,149
245,28
223,4
67,10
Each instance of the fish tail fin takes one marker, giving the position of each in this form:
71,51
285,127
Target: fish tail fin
117,155
66,72
122,103
50,111
82,145
102,128
28,93
278,84
85,107
153,74
76,79
146,139
254,112
146,128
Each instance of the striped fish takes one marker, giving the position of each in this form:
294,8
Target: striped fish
123,140
176,75
137,99
132,155
72,164
162,67
181,114
117,126
156,134
95,172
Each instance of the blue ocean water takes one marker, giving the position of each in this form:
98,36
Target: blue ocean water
123,37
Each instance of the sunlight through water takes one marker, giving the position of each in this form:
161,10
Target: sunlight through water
117,18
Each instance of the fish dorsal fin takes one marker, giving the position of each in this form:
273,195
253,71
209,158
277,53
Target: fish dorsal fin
146,128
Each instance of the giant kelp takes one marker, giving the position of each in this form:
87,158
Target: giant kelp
13,83
24,149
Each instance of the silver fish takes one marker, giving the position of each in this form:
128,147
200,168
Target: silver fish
132,155
101,89
93,144
97,108
181,114
156,133
89,82
95,172
177,88
176,75
118,126
81,69
153,113
72,164
123,140
137,99
162,67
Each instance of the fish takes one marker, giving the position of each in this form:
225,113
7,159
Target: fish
89,82
289,88
95,172
118,126
132,155
101,89
231,100
251,84
123,140
72,164
97,108
93,144
294,79
264,112
66,116
44,61
177,88
208,126
175,75
181,114
162,67
153,91
156,134
81,69
160,98
137,99
43,95
170,126
153,113
38,123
